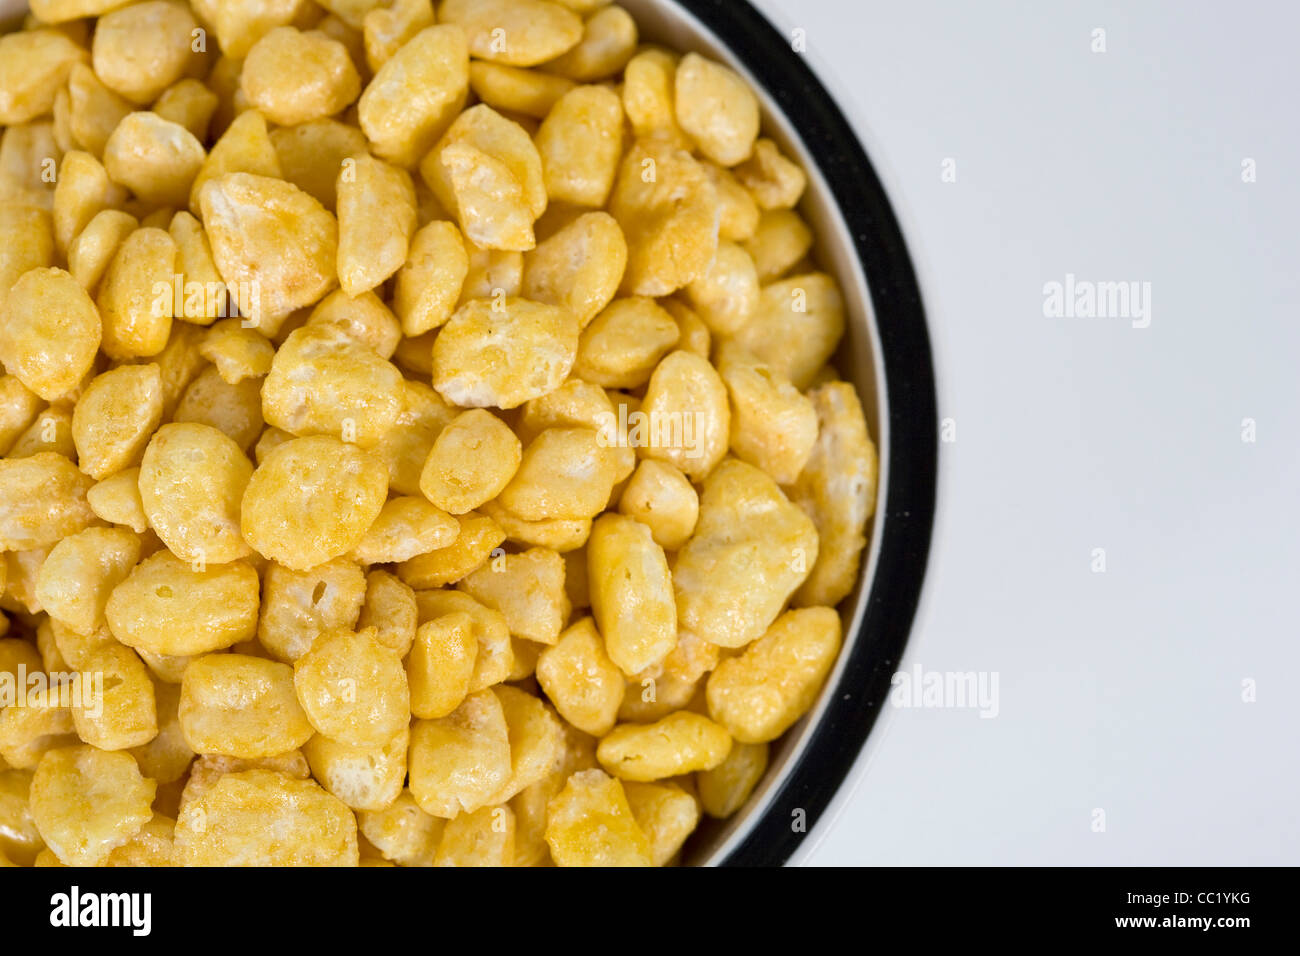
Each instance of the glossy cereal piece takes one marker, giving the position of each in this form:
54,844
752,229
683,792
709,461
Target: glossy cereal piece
300,606
207,769
536,739
406,527
773,426
797,327
781,240
471,462
50,333
579,267
33,65
152,845
83,190
590,823
311,500
19,407
727,295
528,590
441,664
188,103
353,689
94,110
264,818
666,814
725,788
81,571
556,534
579,678
680,743
311,155
52,431
28,733
124,716
429,283
687,419
758,694
166,607
514,32
630,593
365,777
21,569
403,832
661,498
364,318
144,48
240,706
459,762
241,23
485,837
376,208
478,537
238,353
494,661
245,147
738,213
20,841
192,480
390,609
608,42
565,474
87,802
516,90
776,182
493,273
386,30
74,648
625,342
580,143
112,421
649,90
135,295
717,109
42,500
93,248
405,447
154,158
294,77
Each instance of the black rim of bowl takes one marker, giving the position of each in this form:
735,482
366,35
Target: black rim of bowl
907,504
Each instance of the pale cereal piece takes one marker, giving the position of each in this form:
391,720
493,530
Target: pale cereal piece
81,571
837,490
441,664
492,273
144,48
114,418
429,282
575,404
122,713
29,161
514,32
781,240
188,103
135,295
495,657
50,333
237,353
376,208
536,739
87,802
727,295
751,550
240,706
272,238
579,267
152,845
271,439
264,818
590,823
33,65
516,90
725,788
625,342
774,181
565,474
416,94
685,418
312,154
666,814
631,595
167,668
797,327
773,425
21,568
650,698
94,247
83,190
390,609
403,832
239,24
528,590
679,743
556,534
294,77
580,143
42,500
20,841
490,357
579,678
322,382
471,462
668,209
458,762
363,318
353,689
405,528
51,431
204,297
405,448
19,408
74,648
192,480
760,693
649,92
94,110
385,31
62,11
609,40
244,147
478,537
167,757
28,733
352,12
717,109
661,498
26,242
738,213
300,606
365,776
155,158
485,837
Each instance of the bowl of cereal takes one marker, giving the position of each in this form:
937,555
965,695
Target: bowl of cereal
501,434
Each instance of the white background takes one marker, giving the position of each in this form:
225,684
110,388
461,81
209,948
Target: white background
1121,690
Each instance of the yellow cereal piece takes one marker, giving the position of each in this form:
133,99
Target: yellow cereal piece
52,431
727,295
680,743
238,353
188,103
485,837
144,48
300,606
28,733
26,242
798,325
94,110
781,240
245,147
81,571
565,474
366,776
516,90
774,181
478,537
87,802
42,500
624,343
20,841
311,155
167,757
666,814
50,333
725,788
364,318
492,273
590,823
557,534
459,762
353,689
154,158
406,527
82,191
608,42
94,247
685,416
580,143
405,447
403,832
135,295
241,23
631,593
579,267
18,410
429,283
33,65
661,498
773,426
495,657
441,664
536,739
528,590
390,609
579,678
649,91
122,714
209,768
377,213
115,416
738,213
294,77
385,31
234,410
240,706
150,846
514,32
471,462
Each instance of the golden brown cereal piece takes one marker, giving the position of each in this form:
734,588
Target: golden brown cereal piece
19,839
579,267
585,686
471,462
390,609
190,104
94,110
241,23
416,94
237,352
94,247
150,846
589,823
209,768
33,65
144,48
837,489
311,500
661,497
192,480
167,757
154,158
135,295
385,31
773,426
459,762
514,32
680,743
528,590
294,77
124,714
81,571
668,209
515,90
403,832
775,181
580,143
405,448
26,242
50,333
479,536
495,658
717,109
311,155
738,213
649,89
117,500
241,706
630,593
75,648
245,147
406,527
501,357
429,283
624,343
82,191
726,296
725,788
322,382
299,606
685,418
485,837
364,319
493,273
758,694
264,818
27,733
799,323
557,534
235,410
666,814
115,416
167,607
751,549
441,664
364,776
87,802
608,41
353,688
781,240
42,500
376,206
565,474
536,739
268,232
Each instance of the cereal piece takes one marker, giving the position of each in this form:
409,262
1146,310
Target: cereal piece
679,743
300,606
26,242
188,103
204,296
50,333
403,832
775,181
738,213
390,609
235,410
429,283
33,65
781,240
405,447
649,90
29,732
564,474
528,590
799,323
117,500
294,77
94,247
406,527
237,352
264,818
135,296
536,739
460,761
241,706
666,814
311,500
245,147
42,500
167,757
385,31
492,273
81,571
837,489
686,415
144,48
365,777
123,715
631,593
150,846
311,155
20,841
495,658
441,664
471,462
501,357
478,537
579,267
758,694
624,343
83,190
353,689
725,788
52,431
580,143
726,296
585,686
589,823
514,32
485,837
87,802
608,41
114,418
364,319
376,206
241,23
515,90
773,426
556,534
19,409
717,109
661,498
75,648
154,158
416,94
695,335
